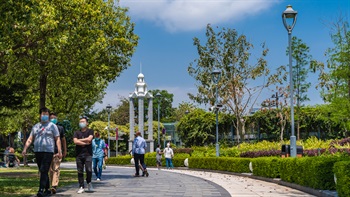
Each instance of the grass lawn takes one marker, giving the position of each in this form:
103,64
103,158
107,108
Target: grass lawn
24,181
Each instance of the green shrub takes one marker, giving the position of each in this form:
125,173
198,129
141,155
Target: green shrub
342,172
238,165
119,160
266,167
314,172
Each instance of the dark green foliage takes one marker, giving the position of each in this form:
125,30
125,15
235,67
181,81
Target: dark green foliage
124,160
266,167
238,165
12,96
342,172
314,172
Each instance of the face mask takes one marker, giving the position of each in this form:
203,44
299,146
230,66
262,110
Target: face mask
82,125
44,118
54,120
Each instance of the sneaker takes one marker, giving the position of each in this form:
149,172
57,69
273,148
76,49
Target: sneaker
98,179
40,194
90,188
54,189
81,190
47,192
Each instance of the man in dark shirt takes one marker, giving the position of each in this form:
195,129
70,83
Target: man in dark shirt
56,162
82,139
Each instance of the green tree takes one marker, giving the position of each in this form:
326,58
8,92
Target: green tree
334,80
165,106
183,109
197,128
69,50
121,114
334,77
301,69
230,52
12,97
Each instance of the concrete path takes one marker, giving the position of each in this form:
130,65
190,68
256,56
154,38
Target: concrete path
118,181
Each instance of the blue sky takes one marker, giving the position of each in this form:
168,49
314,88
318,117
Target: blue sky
167,27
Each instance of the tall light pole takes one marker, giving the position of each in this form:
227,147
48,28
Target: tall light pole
109,108
289,17
158,95
216,74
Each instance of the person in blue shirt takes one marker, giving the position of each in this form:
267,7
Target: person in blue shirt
98,152
138,153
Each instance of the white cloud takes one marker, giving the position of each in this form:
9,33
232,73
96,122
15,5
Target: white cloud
188,15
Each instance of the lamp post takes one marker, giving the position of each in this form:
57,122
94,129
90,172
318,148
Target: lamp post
216,74
109,108
158,95
290,15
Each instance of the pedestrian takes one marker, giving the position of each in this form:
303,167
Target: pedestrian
6,152
105,158
56,161
98,153
169,154
44,135
159,156
138,153
12,159
82,139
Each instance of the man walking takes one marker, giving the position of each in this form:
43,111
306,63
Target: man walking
56,162
44,135
138,151
98,152
82,139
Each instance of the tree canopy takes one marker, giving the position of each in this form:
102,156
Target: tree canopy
64,52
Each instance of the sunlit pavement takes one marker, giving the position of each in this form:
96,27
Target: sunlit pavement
118,181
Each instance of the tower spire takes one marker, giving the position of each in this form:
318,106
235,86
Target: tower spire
140,67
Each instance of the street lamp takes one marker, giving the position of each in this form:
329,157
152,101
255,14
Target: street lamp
109,108
216,74
158,95
289,17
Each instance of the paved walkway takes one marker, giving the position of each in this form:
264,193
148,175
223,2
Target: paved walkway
118,181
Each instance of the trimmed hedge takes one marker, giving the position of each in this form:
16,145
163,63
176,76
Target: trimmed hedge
266,167
342,172
238,165
316,172
150,161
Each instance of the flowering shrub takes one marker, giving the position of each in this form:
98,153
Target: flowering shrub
262,153
308,153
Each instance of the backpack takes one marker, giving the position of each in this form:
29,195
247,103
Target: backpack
12,159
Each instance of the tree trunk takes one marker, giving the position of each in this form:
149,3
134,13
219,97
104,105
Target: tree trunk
282,131
43,84
238,132
298,128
